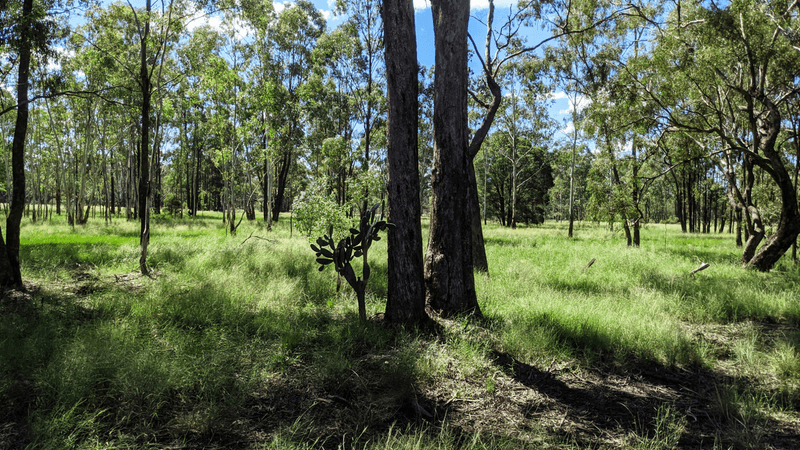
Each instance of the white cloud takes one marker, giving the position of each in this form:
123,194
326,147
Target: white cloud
201,18
420,5
557,95
280,6
54,64
581,102
568,129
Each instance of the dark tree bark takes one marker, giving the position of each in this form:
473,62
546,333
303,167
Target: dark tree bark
283,177
449,278
10,272
144,163
406,293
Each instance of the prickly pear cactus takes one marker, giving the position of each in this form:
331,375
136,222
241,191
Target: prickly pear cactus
354,246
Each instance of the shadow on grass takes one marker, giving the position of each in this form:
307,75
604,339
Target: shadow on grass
596,404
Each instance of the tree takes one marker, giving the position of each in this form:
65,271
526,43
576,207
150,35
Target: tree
294,37
365,20
449,278
25,30
147,72
568,18
525,128
406,291
730,72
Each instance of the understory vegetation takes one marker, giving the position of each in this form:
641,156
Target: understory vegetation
240,342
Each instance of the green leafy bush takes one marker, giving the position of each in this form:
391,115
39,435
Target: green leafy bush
317,212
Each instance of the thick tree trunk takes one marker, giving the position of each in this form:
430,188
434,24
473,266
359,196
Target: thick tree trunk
144,163
449,278
10,272
406,294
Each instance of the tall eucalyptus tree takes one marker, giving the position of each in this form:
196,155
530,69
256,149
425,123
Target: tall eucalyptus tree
406,293
294,36
26,31
448,271
730,72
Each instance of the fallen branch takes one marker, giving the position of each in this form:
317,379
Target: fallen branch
257,237
589,265
703,266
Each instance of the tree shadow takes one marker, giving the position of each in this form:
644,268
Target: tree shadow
596,404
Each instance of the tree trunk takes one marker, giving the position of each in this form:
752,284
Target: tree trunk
144,163
479,260
627,228
10,272
449,278
283,175
405,301
789,223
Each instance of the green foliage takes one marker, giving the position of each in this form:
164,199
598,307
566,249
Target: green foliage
316,212
173,205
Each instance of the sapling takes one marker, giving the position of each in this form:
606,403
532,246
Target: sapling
353,246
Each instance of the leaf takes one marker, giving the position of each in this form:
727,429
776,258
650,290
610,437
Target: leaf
321,242
326,253
321,268
324,261
353,231
315,248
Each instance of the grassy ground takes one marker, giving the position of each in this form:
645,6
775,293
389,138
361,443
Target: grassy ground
239,342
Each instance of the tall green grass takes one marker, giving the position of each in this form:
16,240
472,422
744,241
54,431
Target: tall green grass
240,333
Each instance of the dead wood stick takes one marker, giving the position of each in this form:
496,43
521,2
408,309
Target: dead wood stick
703,266
589,265
257,237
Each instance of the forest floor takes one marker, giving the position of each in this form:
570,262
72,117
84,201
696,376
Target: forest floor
234,345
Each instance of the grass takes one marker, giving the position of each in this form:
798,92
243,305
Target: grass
240,342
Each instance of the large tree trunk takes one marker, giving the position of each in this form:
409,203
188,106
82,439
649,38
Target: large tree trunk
10,272
144,163
406,294
449,278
